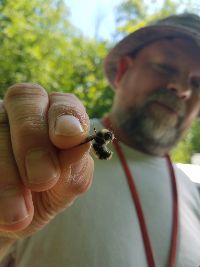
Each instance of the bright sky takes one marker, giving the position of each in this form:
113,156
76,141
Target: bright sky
86,13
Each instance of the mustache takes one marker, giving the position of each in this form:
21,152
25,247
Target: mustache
169,98
133,116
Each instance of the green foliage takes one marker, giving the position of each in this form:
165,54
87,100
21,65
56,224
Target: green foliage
81,73
130,15
134,14
39,45
194,137
31,33
183,152
189,145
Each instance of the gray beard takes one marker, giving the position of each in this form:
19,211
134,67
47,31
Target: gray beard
147,130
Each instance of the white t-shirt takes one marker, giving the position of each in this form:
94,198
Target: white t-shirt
101,229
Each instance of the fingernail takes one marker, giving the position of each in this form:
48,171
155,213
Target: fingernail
68,125
41,166
12,206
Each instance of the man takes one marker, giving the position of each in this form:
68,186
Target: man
154,219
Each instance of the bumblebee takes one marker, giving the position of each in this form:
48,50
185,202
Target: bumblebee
100,140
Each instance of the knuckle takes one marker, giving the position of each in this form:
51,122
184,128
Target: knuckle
60,96
58,109
26,105
74,98
21,89
31,124
66,99
83,187
81,180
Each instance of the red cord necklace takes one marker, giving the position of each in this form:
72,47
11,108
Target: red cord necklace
138,206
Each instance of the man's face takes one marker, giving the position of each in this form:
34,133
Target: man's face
158,96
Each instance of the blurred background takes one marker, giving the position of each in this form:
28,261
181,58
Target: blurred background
61,45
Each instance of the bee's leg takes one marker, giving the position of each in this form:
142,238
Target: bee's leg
88,139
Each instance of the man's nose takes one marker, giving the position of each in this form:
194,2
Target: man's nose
180,88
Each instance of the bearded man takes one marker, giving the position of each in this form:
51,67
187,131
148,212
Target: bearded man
141,210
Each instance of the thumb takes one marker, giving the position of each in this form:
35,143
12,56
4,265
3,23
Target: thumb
68,121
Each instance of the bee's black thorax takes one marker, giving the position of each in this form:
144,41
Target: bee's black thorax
100,140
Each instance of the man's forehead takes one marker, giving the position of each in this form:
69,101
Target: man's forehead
173,48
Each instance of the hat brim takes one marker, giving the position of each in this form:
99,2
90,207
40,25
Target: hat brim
140,38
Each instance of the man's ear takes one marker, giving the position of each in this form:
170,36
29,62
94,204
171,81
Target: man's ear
122,67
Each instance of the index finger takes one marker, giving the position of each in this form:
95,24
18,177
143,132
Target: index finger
36,157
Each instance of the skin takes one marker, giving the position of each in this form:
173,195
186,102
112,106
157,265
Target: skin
162,80
31,197
28,120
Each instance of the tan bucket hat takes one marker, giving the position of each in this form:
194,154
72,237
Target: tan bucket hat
184,25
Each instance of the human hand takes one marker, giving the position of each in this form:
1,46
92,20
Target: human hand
42,168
